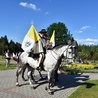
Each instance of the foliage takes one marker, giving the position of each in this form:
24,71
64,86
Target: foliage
89,89
12,46
89,52
3,44
62,34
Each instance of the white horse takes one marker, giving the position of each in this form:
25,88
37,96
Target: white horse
50,63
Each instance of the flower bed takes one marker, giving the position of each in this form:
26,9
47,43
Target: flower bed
80,68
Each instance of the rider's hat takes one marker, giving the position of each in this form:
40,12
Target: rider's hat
43,32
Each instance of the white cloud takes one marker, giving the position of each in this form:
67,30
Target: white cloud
46,13
85,27
32,6
88,41
82,29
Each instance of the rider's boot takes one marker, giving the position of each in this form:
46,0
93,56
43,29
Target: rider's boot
40,61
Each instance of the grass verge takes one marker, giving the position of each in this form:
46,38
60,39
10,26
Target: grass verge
3,66
89,89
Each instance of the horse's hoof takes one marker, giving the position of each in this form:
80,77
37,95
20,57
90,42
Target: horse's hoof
25,79
51,93
42,79
32,87
17,84
35,81
46,88
53,84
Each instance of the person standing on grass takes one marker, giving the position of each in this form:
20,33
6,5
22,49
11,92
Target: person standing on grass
7,57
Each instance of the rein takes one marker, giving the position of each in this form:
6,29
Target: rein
57,53
66,50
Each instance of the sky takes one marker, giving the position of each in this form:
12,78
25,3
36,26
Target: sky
79,16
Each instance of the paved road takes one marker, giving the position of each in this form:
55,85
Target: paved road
66,86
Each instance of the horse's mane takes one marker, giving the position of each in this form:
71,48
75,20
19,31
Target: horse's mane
58,46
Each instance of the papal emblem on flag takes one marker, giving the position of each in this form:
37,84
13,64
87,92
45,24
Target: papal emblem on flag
30,39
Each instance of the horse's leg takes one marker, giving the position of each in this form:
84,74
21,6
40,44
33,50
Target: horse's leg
30,76
56,71
17,75
56,75
40,74
23,71
50,79
48,75
55,79
32,73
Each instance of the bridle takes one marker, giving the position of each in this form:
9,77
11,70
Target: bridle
69,47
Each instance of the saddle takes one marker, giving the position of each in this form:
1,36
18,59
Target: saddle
36,57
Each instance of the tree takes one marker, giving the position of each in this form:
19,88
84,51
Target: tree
62,34
3,44
12,46
18,47
91,54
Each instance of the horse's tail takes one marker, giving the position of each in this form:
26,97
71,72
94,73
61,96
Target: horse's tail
16,58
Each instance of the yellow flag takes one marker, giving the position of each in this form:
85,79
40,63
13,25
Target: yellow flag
33,34
52,39
30,39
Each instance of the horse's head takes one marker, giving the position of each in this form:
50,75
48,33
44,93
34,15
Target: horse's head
68,53
65,51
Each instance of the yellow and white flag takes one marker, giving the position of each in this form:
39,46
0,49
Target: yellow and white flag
52,39
30,39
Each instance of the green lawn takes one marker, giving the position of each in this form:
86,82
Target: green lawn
0,57
89,89
3,66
